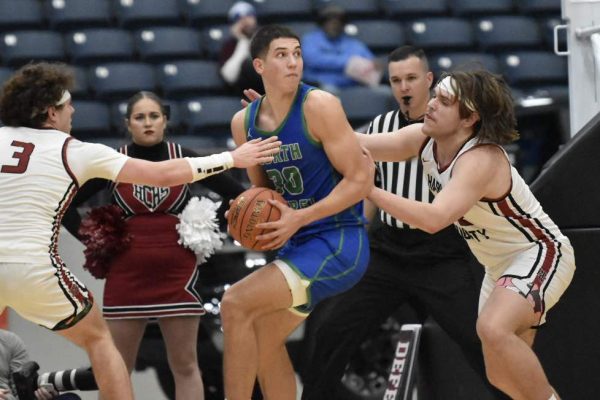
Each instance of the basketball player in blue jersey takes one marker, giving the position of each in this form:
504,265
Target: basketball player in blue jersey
322,172
528,262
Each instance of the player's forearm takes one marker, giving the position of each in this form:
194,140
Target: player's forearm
345,194
174,172
424,216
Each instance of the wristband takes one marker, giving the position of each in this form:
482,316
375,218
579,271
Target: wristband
210,165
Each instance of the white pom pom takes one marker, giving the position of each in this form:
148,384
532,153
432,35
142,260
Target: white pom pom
199,228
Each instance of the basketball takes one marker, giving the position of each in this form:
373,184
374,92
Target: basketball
249,209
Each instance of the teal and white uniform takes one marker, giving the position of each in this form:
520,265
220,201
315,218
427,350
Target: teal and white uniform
329,255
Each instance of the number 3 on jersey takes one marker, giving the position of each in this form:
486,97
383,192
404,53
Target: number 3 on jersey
22,158
289,180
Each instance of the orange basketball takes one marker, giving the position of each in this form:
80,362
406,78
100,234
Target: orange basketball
249,209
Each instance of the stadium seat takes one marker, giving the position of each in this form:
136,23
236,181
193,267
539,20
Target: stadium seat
161,43
479,7
446,62
412,8
528,68
91,118
547,26
378,35
559,93
20,47
179,79
78,14
276,10
508,31
301,28
20,14
98,45
120,80
82,86
363,103
202,12
134,14
210,116
529,7
353,8
441,32
5,73
212,39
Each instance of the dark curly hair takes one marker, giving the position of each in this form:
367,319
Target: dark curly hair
27,95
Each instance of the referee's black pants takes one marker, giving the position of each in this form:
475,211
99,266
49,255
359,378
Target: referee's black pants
435,274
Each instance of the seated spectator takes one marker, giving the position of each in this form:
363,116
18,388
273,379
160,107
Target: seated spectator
334,60
235,61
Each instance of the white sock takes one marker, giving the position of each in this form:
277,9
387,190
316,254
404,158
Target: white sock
553,397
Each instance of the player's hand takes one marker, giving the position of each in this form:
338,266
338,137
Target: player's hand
4,393
371,166
45,394
255,152
280,231
250,95
227,212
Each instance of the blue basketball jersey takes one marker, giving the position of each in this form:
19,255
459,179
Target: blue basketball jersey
301,172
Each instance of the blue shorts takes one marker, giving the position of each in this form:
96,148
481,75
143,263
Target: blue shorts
331,261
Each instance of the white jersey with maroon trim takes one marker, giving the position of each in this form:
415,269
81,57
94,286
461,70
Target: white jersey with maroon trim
498,231
40,171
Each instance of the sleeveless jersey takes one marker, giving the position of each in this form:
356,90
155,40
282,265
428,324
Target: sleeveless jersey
497,231
301,172
144,199
40,171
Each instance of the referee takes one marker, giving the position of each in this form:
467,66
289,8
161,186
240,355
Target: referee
435,274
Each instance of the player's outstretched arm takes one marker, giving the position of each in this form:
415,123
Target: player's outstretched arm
185,170
478,173
400,145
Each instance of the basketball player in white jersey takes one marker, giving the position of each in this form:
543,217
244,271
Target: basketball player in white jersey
41,168
528,262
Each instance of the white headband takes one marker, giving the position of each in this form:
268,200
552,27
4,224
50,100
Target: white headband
66,96
448,84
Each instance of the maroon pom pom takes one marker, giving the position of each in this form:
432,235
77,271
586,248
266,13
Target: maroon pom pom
104,235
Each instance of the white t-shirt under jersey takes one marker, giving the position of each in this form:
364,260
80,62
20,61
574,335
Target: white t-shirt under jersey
40,171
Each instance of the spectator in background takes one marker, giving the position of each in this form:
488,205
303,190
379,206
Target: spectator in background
234,59
334,60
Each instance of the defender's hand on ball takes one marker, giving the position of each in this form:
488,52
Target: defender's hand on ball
281,230
255,152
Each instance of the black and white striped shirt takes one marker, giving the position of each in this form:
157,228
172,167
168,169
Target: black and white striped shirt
402,178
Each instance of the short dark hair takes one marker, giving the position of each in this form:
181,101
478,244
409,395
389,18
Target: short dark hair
404,52
264,36
35,87
144,94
